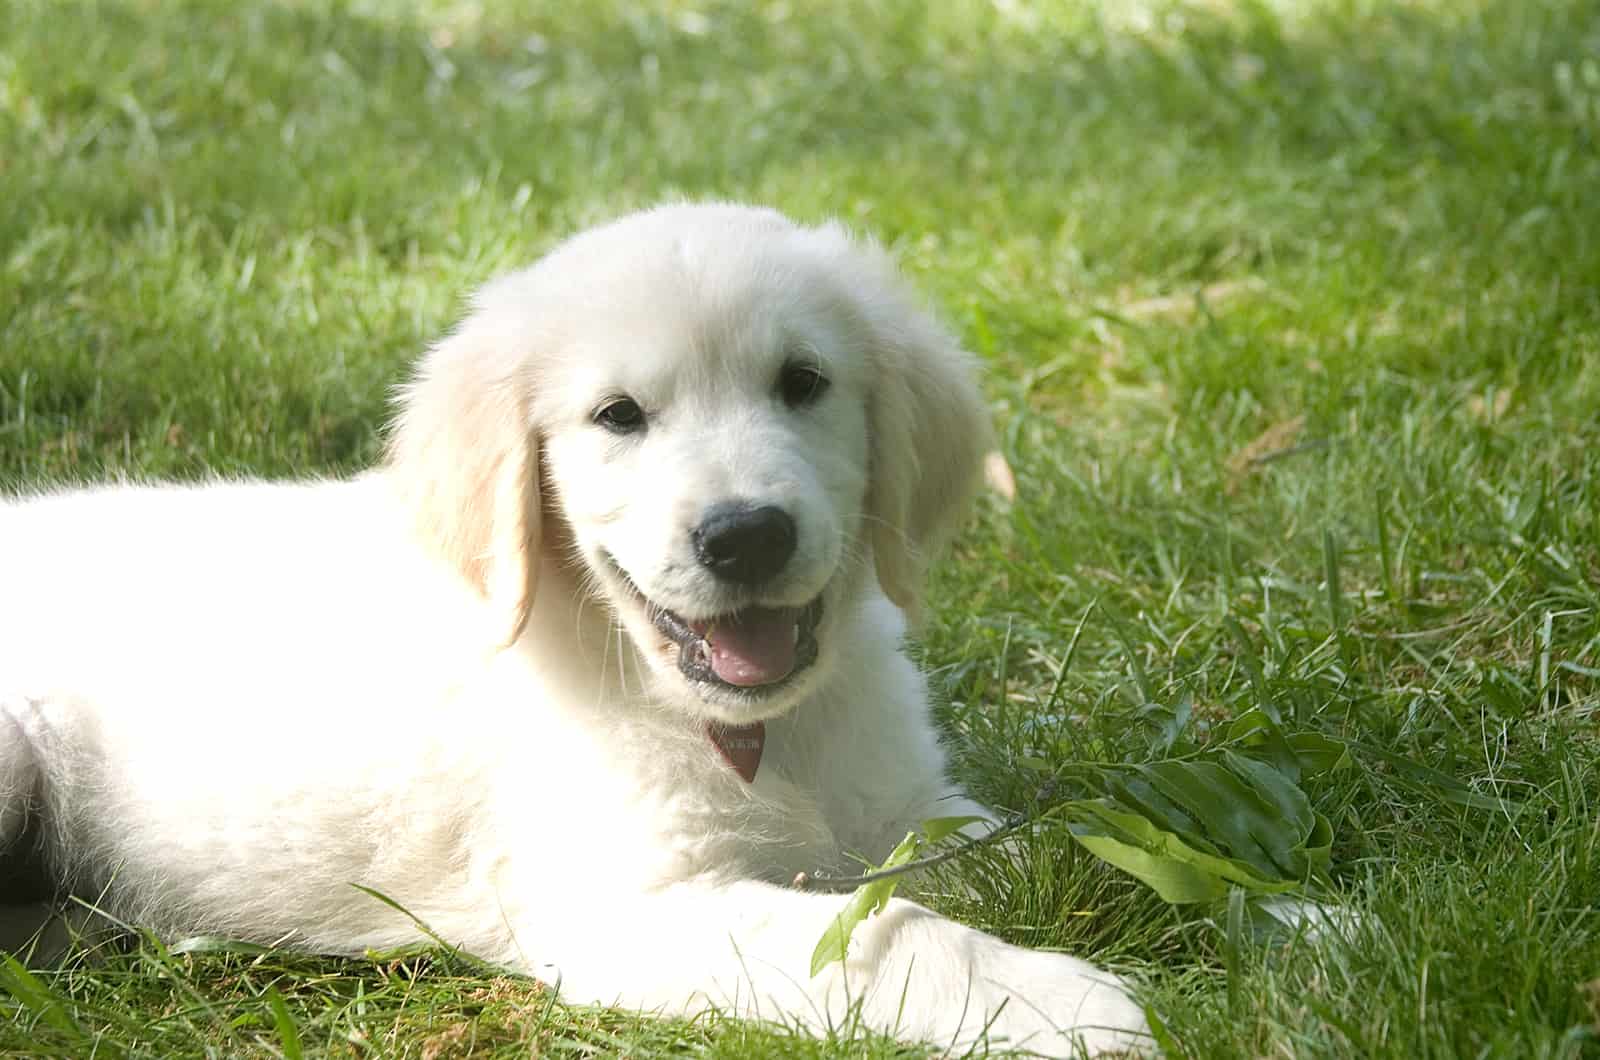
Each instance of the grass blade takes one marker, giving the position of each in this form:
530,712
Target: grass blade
35,996
283,1022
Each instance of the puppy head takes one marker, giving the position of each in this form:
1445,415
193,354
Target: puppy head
738,422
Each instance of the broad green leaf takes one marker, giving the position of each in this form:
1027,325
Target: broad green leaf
1138,794
938,829
1250,726
1263,734
1176,871
1182,714
1170,721
869,898
1312,753
1174,880
1319,847
1319,754
903,852
1276,790
835,941
1132,828
1233,815
1189,829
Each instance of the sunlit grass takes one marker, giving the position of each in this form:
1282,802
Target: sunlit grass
1268,293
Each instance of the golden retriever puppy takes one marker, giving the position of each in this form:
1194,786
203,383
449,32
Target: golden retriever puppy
605,653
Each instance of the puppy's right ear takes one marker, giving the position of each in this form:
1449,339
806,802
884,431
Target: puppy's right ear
464,458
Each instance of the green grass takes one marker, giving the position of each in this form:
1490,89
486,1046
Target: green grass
1358,242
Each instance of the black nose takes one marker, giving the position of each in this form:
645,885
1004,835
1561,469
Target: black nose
739,543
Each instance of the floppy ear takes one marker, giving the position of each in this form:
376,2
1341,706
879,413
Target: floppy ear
928,428
464,457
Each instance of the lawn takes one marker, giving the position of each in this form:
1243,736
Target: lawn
1291,314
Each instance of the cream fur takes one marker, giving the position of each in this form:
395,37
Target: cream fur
231,702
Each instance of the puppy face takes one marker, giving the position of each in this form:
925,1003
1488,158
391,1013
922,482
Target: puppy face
707,446
738,421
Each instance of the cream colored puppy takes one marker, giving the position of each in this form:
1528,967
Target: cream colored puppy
605,653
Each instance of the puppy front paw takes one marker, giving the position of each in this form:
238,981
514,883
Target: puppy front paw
956,987
1055,1005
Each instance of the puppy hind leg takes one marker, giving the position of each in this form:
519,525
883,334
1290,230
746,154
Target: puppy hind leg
23,876
20,777
29,924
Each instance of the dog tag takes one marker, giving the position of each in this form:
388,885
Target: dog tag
739,745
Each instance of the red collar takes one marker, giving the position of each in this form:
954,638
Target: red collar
739,745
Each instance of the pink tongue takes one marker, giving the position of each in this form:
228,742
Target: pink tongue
755,647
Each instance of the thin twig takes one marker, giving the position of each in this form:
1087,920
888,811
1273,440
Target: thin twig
807,882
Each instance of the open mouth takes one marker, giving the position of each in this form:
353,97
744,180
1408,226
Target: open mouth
754,649
750,650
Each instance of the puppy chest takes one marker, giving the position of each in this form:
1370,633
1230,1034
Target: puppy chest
767,830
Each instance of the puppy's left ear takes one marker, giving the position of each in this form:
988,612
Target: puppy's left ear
464,458
929,429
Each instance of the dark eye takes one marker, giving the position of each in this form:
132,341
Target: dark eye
802,385
620,416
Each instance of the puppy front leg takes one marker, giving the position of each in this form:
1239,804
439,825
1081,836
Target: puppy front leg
745,947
